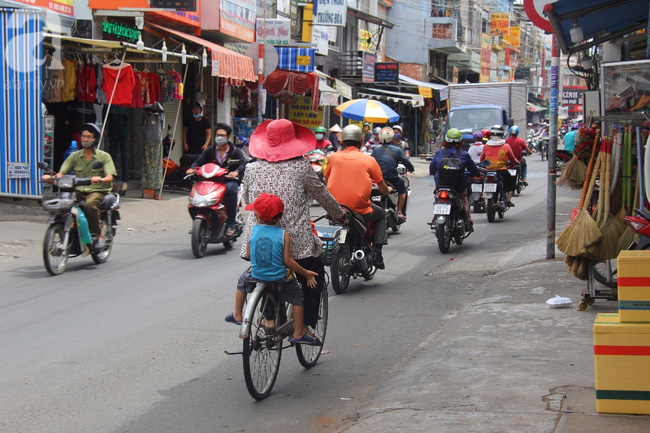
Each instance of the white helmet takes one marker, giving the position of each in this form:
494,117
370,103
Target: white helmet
386,134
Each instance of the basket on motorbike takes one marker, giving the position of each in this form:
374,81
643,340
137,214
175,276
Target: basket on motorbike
330,237
54,200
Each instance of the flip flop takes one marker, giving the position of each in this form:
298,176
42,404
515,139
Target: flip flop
305,339
230,318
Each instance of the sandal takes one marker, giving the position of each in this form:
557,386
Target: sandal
230,232
305,339
230,318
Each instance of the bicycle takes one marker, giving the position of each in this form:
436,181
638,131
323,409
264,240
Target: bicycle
262,346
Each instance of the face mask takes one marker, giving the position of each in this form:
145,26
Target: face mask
220,141
319,136
397,136
88,144
196,116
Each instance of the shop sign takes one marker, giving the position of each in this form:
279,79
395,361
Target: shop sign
426,92
572,96
368,71
301,113
319,37
120,31
215,68
387,72
330,12
179,5
238,19
17,170
365,41
344,89
303,60
65,7
499,24
512,38
444,93
278,31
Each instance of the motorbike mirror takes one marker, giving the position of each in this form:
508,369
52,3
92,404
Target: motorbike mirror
43,165
97,164
435,124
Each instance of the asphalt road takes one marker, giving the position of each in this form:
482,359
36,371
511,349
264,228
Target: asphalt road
137,344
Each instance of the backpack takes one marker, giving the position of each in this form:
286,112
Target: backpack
451,172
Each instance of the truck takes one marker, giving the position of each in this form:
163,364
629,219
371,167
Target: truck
474,107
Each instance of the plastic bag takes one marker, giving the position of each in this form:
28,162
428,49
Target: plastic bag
559,302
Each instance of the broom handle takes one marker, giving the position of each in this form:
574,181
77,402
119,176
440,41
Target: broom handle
590,169
592,182
608,175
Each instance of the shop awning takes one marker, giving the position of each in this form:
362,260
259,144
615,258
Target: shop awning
600,20
413,82
281,83
328,95
296,59
233,66
534,108
381,94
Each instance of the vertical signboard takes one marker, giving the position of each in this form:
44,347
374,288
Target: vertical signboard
486,50
368,72
499,24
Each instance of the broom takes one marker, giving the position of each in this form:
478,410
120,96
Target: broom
582,231
574,173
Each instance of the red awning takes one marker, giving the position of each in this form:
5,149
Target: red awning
280,83
236,67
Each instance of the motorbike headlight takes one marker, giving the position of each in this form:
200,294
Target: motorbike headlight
203,200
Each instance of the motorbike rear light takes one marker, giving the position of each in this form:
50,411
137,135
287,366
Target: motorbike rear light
636,224
443,196
490,179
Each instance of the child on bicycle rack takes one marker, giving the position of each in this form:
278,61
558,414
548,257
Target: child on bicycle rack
269,251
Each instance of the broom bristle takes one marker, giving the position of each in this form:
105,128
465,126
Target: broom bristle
575,170
581,232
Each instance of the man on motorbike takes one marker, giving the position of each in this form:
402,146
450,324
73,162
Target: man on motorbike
321,141
80,163
499,154
388,155
349,176
477,148
222,153
374,140
451,149
397,140
518,145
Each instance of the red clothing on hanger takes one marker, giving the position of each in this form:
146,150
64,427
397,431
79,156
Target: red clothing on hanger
86,82
124,89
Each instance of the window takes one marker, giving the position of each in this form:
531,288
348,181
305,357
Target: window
441,31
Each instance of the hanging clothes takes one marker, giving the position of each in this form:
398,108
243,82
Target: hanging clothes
53,82
86,82
124,89
152,158
178,85
69,81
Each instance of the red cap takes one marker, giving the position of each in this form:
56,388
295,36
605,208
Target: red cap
268,207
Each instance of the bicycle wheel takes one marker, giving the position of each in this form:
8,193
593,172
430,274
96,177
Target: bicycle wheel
308,354
262,348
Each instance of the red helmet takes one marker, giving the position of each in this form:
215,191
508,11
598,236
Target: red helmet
486,134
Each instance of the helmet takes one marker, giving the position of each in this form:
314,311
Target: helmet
478,136
530,125
377,130
321,129
352,133
397,128
454,136
386,134
497,131
486,133
92,128
514,130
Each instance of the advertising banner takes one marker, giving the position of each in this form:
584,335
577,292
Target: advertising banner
512,38
486,50
301,113
499,24
387,72
330,12
238,19
278,31
365,41
368,71
65,7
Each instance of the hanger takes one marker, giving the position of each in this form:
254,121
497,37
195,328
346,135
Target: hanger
105,57
145,70
117,60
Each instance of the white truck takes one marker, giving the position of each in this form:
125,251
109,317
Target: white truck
474,107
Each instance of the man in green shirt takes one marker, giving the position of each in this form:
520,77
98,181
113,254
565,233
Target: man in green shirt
80,163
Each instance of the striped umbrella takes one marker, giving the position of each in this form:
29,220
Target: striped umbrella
367,110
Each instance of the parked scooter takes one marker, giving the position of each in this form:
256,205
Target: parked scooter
174,173
208,211
495,195
389,202
354,257
67,235
448,222
640,225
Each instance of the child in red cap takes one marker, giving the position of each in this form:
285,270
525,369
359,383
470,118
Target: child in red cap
269,250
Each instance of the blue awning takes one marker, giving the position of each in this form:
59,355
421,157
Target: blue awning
600,20
295,59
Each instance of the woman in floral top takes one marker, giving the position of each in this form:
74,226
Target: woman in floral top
281,170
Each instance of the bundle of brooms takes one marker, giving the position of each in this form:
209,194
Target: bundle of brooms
575,172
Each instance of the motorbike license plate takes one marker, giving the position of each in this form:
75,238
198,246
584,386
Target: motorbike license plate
342,235
477,187
490,187
512,172
441,209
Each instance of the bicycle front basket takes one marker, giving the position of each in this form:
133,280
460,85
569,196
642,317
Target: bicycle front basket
330,237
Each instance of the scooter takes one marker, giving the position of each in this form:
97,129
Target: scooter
475,191
516,172
640,225
67,233
174,173
495,196
318,160
354,256
208,211
448,222
389,202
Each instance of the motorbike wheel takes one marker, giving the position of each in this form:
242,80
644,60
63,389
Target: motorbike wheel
340,269
199,237
102,256
443,232
491,210
477,207
55,254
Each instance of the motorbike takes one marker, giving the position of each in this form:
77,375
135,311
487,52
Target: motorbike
318,160
389,202
64,237
516,172
208,211
476,197
448,222
542,146
354,253
174,173
495,195
640,225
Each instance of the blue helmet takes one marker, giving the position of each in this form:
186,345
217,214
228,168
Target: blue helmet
514,130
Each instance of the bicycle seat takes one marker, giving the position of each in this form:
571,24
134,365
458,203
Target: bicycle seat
110,200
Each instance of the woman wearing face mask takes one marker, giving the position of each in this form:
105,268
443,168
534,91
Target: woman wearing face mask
321,141
223,153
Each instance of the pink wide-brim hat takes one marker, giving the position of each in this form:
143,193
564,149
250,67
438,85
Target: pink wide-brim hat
280,140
